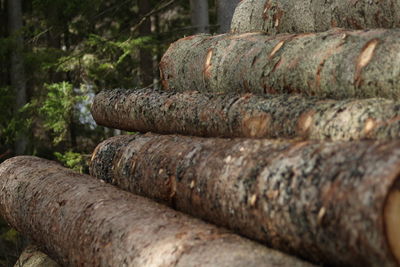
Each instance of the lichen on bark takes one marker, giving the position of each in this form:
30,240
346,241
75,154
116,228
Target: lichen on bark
288,16
81,221
326,202
337,64
246,115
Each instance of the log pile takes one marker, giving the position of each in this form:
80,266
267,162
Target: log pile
81,221
284,131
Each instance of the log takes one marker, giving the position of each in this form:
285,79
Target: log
81,221
287,16
235,115
337,64
32,256
335,203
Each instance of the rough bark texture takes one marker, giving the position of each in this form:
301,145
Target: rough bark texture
82,221
199,15
33,257
288,16
232,115
321,201
336,64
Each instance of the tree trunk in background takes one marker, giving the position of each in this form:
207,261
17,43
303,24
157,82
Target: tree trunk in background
159,49
146,58
81,221
225,10
289,16
54,41
17,71
337,64
335,203
234,115
199,15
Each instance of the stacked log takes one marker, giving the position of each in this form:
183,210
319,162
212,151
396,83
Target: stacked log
81,221
335,203
287,16
337,64
248,115
32,256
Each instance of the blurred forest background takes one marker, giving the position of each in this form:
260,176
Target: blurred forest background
55,55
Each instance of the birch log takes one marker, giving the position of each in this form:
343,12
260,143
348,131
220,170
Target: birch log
81,221
337,64
288,16
234,115
335,203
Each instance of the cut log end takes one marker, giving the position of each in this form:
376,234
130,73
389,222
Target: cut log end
392,220
305,122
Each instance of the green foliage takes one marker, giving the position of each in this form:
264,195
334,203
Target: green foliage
6,101
19,123
12,123
10,244
10,235
73,160
58,109
64,10
43,59
123,48
67,43
5,47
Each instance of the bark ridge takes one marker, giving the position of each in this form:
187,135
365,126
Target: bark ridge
81,221
337,64
288,16
246,115
322,201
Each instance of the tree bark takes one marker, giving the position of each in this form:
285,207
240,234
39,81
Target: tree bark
331,203
199,15
337,64
233,115
287,16
225,10
81,221
146,59
33,257
17,72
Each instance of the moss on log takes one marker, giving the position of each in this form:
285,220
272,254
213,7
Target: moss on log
234,115
337,64
81,221
335,203
33,257
288,16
